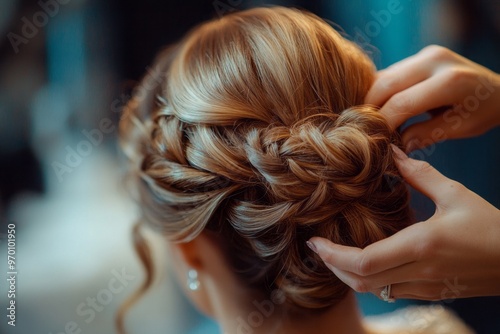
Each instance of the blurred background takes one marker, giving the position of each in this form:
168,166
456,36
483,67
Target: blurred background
66,69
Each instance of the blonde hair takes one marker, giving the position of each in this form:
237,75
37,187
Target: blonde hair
258,134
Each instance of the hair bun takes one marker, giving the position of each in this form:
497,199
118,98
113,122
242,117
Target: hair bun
345,152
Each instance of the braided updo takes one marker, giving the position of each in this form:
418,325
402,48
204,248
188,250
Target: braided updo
257,134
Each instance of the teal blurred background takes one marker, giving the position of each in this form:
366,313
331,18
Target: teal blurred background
66,69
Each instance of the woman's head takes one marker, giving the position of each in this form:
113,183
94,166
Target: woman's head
257,136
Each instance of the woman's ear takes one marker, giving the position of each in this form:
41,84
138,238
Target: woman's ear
204,274
192,265
188,253
202,253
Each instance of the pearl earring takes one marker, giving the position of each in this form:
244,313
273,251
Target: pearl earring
192,281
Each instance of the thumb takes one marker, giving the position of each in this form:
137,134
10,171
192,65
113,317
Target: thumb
423,177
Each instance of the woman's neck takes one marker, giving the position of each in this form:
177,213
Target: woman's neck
240,310
265,317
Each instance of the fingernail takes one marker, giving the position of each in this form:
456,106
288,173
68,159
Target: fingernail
399,154
312,246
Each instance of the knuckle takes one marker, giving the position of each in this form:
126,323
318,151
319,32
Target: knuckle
430,273
359,285
419,167
427,247
458,76
390,83
437,52
328,258
422,166
365,265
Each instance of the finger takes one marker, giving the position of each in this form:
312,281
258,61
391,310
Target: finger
355,282
404,288
419,98
349,279
415,294
339,256
402,274
385,254
426,133
420,290
450,124
429,131
397,78
422,176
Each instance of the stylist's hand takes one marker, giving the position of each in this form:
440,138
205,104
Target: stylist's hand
463,97
454,254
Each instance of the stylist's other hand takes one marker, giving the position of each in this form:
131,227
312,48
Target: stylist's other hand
454,254
462,97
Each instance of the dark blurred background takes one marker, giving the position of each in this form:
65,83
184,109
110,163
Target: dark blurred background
66,69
